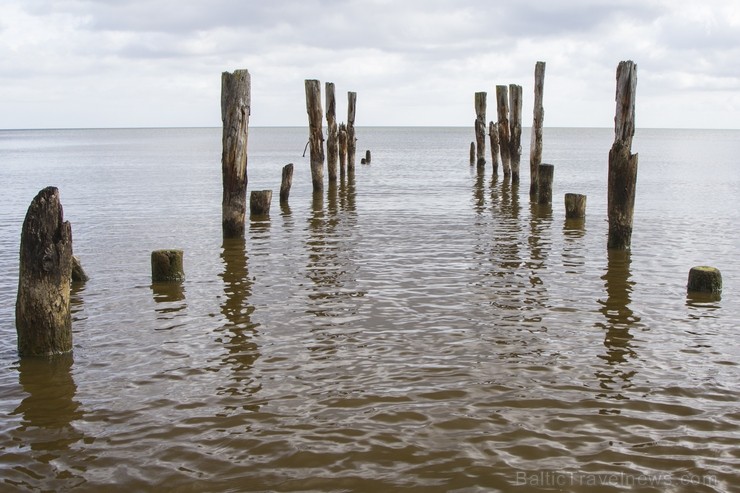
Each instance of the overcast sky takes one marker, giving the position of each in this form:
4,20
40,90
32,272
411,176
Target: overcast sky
151,63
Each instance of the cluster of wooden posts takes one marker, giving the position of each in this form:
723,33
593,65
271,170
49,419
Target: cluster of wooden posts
47,265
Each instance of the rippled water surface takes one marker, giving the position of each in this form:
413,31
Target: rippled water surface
416,328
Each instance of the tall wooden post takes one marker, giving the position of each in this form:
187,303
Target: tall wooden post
285,183
622,163
235,109
535,148
494,137
502,106
43,319
515,126
342,148
351,139
331,131
480,129
315,133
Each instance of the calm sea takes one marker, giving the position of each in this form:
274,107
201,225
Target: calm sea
418,328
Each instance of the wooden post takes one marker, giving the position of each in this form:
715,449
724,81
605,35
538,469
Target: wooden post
704,279
368,157
494,137
331,131
622,163
351,139
315,133
502,106
515,125
575,206
535,148
480,129
43,319
544,192
167,266
286,183
472,153
259,203
235,109
342,148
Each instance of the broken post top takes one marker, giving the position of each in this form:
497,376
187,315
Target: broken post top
232,84
624,119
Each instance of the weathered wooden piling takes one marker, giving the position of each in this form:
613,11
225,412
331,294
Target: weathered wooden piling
78,273
285,183
235,109
480,129
342,148
315,133
502,106
544,191
331,132
259,203
472,153
368,157
704,279
494,138
351,138
575,206
535,148
622,163
167,266
43,319
515,129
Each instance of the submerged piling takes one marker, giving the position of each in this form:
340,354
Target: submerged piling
235,109
535,152
515,128
331,132
472,153
704,279
167,266
315,133
259,204
43,320
480,129
285,183
544,191
575,206
502,106
622,163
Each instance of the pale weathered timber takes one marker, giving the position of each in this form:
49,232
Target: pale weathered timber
235,109
480,129
351,138
622,163
43,320
259,203
342,148
494,138
502,107
285,183
544,191
78,273
704,279
167,266
535,148
515,127
472,153
575,206
315,133
331,132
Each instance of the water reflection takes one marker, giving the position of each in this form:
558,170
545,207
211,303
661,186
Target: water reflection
48,415
240,332
619,319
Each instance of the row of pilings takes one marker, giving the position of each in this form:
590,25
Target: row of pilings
47,264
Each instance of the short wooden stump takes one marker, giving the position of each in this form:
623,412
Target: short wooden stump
704,279
167,266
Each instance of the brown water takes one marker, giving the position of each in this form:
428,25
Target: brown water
417,328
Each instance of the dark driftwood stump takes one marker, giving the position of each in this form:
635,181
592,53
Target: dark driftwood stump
286,183
43,319
515,126
78,273
544,191
235,108
575,206
535,154
315,133
622,163
704,279
167,266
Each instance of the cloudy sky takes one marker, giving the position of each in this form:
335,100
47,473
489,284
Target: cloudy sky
150,63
